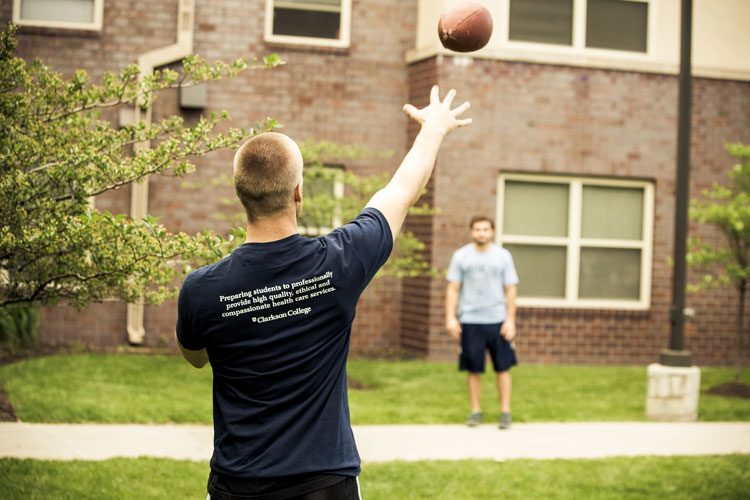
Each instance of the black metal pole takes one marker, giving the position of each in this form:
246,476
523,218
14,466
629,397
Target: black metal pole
675,355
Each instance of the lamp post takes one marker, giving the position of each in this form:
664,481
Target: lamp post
674,383
676,355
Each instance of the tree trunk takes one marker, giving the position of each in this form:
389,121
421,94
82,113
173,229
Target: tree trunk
740,324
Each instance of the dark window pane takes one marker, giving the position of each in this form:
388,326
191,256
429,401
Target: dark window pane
610,273
541,270
535,209
544,21
612,212
308,23
617,24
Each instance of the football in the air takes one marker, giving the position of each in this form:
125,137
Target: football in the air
465,27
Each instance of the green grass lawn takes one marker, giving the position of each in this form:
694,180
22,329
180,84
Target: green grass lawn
162,389
429,393
108,388
663,478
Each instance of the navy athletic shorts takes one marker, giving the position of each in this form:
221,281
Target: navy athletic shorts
303,487
476,339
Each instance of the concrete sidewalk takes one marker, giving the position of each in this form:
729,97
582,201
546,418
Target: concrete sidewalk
379,443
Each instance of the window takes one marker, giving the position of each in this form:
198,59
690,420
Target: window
543,21
582,24
578,242
322,187
70,14
617,24
309,22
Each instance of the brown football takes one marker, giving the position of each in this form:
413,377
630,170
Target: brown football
465,27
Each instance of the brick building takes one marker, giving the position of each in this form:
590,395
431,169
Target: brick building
572,150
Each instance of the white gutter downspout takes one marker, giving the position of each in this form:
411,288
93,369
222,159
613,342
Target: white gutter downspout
139,190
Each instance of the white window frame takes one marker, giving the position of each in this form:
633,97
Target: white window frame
573,241
345,36
95,25
579,35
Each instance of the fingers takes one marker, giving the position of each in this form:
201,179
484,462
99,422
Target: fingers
508,331
411,111
420,115
435,95
456,112
466,105
454,328
449,98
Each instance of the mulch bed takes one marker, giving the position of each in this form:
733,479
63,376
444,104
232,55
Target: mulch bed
6,409
730,390
354,384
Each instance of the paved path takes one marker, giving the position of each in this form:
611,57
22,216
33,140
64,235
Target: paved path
378,443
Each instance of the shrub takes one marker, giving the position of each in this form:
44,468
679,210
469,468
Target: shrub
19,327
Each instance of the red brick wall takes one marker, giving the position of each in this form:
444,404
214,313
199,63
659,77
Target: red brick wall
97,325
578,121
417,299
720,115
376,327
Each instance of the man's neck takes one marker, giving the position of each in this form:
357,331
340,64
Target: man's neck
271,229
482,248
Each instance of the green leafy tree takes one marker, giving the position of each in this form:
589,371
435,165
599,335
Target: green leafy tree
726,263
332,196
57,152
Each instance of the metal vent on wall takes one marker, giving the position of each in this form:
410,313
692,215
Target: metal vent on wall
193,97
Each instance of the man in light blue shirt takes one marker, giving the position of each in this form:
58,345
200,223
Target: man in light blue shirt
480,310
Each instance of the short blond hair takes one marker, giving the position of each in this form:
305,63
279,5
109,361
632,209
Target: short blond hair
267,169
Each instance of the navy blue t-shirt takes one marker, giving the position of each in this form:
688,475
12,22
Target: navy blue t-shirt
275,319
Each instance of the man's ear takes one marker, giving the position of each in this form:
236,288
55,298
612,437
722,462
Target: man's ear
298,192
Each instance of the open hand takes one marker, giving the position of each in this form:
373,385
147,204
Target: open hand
439,115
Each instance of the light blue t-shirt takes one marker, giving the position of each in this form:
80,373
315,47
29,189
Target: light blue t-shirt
483,277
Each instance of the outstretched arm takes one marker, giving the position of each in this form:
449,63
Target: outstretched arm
406,185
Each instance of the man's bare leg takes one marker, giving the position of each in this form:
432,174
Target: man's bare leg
474,383
504,390
475,391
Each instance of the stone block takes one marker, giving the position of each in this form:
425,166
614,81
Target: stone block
673,393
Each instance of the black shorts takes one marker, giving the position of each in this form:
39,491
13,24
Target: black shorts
476,339
305,487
